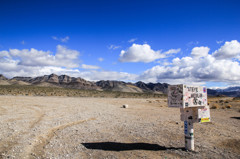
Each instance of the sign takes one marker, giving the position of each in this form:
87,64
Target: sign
175,95
185,96
204,114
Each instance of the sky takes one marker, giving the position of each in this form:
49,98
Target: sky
167,41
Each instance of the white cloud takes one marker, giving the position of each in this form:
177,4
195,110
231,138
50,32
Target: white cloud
200,51
107,75
113,47
173,51
144,53
100,59
219,42
64,57
140,53
192,43
228,50
92,67
197,70
23,42
132,40
4,54
64,40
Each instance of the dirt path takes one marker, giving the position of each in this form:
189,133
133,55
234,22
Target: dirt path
65,127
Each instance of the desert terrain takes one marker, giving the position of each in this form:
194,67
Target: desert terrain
97,127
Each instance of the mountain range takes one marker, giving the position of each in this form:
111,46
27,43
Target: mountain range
65,81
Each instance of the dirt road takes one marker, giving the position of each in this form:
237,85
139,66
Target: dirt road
66,127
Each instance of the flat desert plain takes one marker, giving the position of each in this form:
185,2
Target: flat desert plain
71,127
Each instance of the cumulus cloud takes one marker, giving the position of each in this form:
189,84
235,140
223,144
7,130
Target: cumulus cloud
144,53
197,70
92,67
200,51
64,40
31,62
32,57
140,53
228,50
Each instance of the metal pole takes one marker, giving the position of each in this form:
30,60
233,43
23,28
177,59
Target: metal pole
189,137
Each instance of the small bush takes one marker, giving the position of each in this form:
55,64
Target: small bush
236,98
229,106
221,101
215,106
226,101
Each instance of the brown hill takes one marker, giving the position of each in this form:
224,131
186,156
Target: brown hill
118,86
64,81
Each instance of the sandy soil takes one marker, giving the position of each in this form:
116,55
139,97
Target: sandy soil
66,127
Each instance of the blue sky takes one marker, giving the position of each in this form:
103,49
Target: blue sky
172,41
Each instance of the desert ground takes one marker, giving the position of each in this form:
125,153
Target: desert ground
84,127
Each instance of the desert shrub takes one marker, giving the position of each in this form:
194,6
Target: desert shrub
226,101
215,106
236,98
221,101
229,106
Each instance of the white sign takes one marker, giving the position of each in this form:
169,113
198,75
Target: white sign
204,114
185,96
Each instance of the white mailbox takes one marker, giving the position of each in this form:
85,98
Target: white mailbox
192,101
185,96
195,114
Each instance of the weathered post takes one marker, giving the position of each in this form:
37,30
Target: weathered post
192,101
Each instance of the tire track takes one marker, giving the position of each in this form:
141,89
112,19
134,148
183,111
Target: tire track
37,148
2,110
8,143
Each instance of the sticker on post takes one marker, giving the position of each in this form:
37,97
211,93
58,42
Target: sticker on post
203,120
185,127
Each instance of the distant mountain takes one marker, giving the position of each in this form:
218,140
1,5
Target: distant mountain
59,81
65,81
3,77
229,89
118,86
152,87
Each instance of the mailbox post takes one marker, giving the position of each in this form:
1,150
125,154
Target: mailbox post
192,101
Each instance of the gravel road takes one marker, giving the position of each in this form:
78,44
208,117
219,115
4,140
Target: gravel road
67,127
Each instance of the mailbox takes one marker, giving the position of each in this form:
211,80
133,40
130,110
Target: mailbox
195,114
